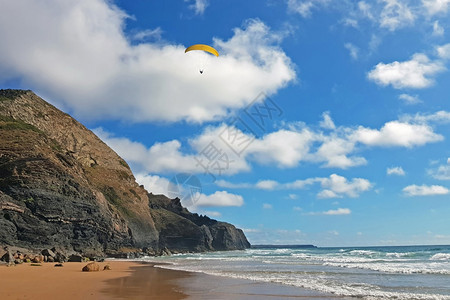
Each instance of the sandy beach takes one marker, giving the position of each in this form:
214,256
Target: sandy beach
133,280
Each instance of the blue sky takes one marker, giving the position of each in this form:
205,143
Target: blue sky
354,96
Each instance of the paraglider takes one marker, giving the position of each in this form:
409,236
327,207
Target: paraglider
202,47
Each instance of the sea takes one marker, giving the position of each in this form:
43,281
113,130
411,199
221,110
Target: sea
405,272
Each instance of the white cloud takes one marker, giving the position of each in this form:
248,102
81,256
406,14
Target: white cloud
438,30
305,7
198,6
153,183
214,214
440,117
334,186
442,172
408,99
160,185
220,198
436,6
395,171
163,157
335,150
83,44
424,190
396,14
339,186
396,133
366,9
339,211
332,212
148,34
414,73
353,50
266,184
230,185
443,51
274,148
284,148
267,206
327,122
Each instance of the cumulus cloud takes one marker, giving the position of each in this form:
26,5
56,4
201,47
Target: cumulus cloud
160,185
266,184
416,73
92,68
440,117
220,198
273,147
212,150
164,157
396,133
425,190
339,186
332,212
395,171
396,14
434,7
334,186
305,7
198,6
267,206
409,99
153,183
327,122
438,30
442,172
443,51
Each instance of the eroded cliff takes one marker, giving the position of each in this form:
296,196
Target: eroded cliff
60,185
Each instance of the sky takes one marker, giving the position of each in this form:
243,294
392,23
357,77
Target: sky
322,122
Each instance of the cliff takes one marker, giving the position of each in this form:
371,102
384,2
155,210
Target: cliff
61,186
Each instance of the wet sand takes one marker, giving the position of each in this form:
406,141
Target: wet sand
134,280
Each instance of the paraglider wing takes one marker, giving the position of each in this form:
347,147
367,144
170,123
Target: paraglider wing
202,47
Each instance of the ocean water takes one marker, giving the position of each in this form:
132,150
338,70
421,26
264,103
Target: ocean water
407,272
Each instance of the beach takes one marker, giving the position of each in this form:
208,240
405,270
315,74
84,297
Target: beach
133,280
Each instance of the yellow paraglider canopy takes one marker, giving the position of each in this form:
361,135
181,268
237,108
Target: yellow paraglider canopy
202,47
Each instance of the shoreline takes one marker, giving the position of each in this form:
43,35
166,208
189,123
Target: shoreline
135,280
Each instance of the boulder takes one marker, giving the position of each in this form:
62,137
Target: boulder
59,257
91,267
48,252
107,267
75,258
8,257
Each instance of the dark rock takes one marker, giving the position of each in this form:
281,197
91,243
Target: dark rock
59,257
8,257
76,258
48,252
58,265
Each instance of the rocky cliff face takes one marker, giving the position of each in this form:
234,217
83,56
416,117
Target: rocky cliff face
60,185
